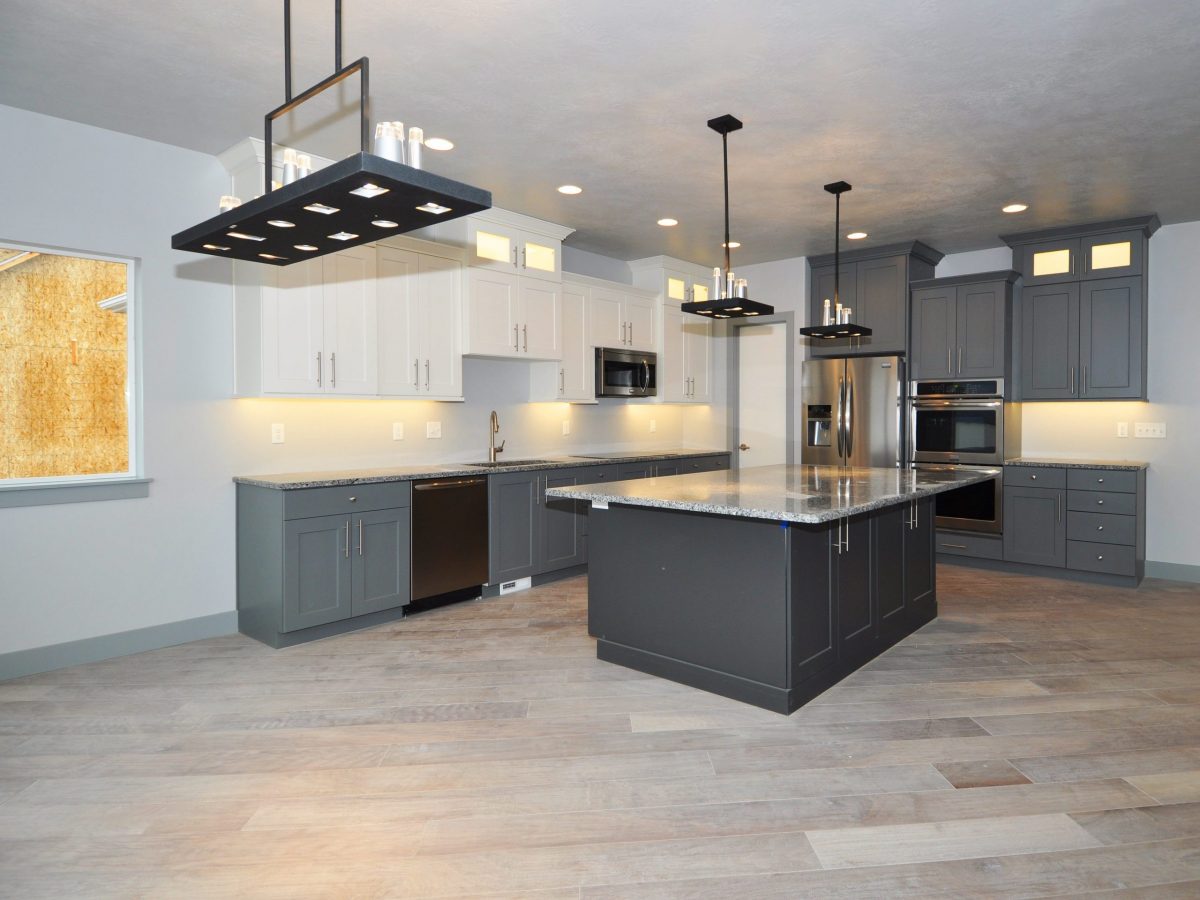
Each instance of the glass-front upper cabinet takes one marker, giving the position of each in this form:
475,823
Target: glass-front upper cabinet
507,249
1112,255
683,289
1052,262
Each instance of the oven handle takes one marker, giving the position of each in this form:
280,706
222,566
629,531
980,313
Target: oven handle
956,404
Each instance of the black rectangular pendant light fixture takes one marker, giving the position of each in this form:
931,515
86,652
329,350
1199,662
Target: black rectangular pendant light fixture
842,329
727,307
360,199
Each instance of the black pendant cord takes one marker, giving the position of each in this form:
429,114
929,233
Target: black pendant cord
360,66
837,247
725,157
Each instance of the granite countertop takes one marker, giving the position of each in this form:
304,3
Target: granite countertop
807,494
1116,465
291,481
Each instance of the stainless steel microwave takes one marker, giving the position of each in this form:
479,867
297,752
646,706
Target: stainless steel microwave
626,373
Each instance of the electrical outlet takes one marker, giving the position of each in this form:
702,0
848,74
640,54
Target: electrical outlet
566,426
397,431
1150,429
277,433
433,429
1122,429
653,425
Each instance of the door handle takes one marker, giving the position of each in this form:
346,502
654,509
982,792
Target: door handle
562,381
416,373
624,325
524,263
631,332
514,256
346,545
360,535
646,369
319,369
525,336
743,446
333,372
954,546
516,340
426,374
960,360
949,361
1072,381
1083,387
1058,507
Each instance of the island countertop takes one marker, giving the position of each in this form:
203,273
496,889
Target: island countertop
809,495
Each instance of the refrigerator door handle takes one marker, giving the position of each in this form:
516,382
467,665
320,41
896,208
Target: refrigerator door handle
841,418
849,418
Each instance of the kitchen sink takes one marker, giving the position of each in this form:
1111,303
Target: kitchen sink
505,463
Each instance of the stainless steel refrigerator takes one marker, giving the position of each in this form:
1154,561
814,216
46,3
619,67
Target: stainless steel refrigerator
853,411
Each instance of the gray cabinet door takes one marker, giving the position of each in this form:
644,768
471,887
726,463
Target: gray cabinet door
934,332
1050,342
316,571
981,325
1050,262
1035,526
563,523
881,297
1110,339
821,288
379,550
891,527
858,618
514,520
920,560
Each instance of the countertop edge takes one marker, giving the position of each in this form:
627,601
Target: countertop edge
1111,465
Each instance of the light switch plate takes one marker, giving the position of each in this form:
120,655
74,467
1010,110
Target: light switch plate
277,433
653,425
397,431
1122,429
566,426
433,429
1150,429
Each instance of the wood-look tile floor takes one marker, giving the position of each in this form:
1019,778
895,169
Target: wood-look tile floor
1041,738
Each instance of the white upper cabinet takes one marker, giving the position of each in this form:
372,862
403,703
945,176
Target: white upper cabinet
622,318
419,325
641,316
316,328
685,286
685,343
539,305
574,379
505,248
511,316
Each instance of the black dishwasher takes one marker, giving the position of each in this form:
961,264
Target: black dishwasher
449,535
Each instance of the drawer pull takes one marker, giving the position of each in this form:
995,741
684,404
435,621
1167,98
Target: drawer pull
955,546
1100,480
1101,556
1099,502
1033,477
1099,527
353,499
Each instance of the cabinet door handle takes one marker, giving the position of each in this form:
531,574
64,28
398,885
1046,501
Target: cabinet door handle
514,256
960,360
562,381
333,368
1100,481
516,340
1101,556
360,537
1072,381
346,545
426,374
1099,527
1099,502
1083,389
955,546
319,369
949,360
525,336
631,332
1058,507
1033,478
416,373
524,262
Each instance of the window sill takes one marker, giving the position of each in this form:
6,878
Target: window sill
118,488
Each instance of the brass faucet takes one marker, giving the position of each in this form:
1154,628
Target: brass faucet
492,432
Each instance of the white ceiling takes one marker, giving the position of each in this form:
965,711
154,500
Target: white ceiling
938,111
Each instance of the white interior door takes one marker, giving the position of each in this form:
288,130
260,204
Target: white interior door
762,395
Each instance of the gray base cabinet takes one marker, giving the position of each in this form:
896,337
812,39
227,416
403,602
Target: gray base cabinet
875,285
961,327
514,525
317,559
1035,529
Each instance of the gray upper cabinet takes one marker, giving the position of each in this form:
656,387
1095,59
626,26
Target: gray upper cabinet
875,285
1050,342
960,327
1083,310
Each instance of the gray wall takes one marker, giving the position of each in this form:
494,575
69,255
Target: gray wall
77,571
584,262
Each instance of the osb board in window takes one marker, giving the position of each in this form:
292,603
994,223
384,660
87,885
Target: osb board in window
62,368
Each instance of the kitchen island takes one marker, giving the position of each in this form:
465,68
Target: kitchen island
766,584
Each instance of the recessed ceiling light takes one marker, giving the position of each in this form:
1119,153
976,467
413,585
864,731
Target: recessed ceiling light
370,190
307,247
214,247
271,256
667,223
570,189
1015,208
434,208
385,223
439,144
856,235
343,236
321,208
281,223
733,245
246,237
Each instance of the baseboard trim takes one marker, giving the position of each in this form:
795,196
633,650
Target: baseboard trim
108,646
1173,571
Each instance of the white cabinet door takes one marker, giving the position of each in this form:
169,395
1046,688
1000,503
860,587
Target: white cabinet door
540,257
350,337
672,384
439,305
493,328
293,358
639,313
540,305
698,357
493,246
577,374
607,318
396,300
675,286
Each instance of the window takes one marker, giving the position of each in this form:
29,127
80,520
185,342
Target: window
68,380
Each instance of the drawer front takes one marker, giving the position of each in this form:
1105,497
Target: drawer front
1102,501
1101,528
1102,480
335,501
596,474
974,545
1092,557
1034,476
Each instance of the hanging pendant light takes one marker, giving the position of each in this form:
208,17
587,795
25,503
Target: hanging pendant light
837,329
730,307
340,206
